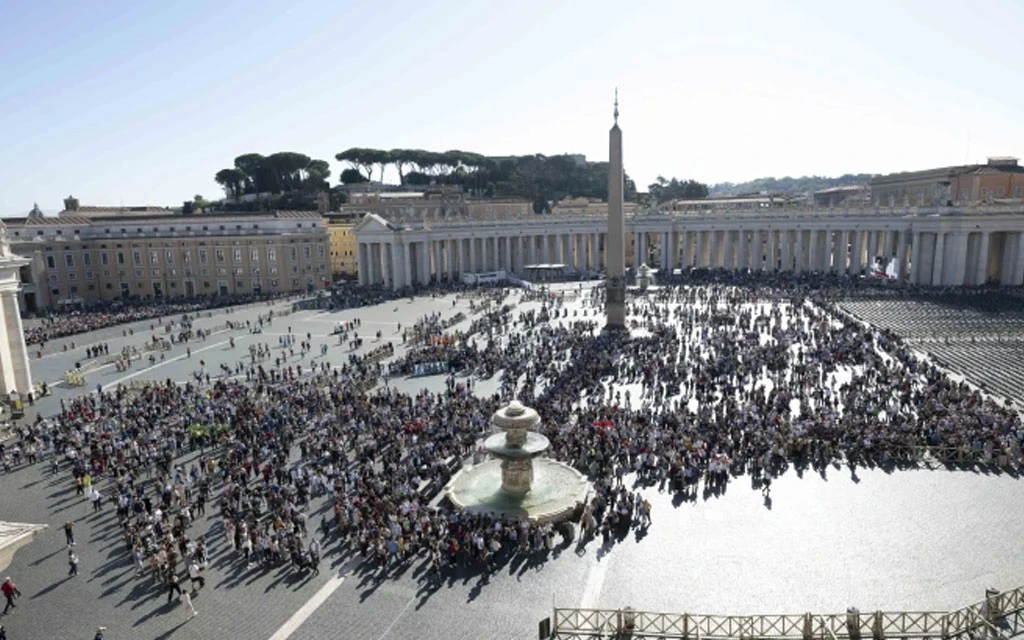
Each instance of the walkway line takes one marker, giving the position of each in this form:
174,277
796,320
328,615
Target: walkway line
594,584
306,610
393,622
163,363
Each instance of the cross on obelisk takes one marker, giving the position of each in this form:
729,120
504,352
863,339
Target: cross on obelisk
615,243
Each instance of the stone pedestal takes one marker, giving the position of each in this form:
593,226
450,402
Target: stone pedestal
517,477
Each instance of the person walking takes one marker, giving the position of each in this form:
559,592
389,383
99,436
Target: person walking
72,564
69,533
186,603
10,591
195,575
172,585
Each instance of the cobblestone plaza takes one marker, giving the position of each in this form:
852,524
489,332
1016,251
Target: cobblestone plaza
926,537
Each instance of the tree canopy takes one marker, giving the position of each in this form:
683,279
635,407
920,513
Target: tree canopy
664,190
281,172
536,177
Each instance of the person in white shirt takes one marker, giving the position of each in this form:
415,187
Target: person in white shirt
186,604
195,575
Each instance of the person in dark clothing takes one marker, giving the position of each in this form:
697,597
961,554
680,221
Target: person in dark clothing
172,586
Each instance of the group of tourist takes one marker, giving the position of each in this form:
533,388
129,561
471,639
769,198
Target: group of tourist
718,380
102,315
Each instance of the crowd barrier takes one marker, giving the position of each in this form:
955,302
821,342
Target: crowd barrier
981,619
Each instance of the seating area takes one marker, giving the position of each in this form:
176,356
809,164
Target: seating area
980,337
997,367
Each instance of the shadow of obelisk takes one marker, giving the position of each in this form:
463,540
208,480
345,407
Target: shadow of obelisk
615,244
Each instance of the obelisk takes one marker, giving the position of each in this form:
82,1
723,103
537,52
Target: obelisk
615,243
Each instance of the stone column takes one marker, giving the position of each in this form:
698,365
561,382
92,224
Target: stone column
825,251
16,341
939,257
981,272
665,267
451,258
387,252
423,260
472,257
743,259
902,246
363,262
786,242
956,271
872,251
406,266
855,252
8,379
800,261
1016,278
844,252
730,258
673,259
915,259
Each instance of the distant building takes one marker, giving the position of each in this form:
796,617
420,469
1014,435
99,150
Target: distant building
999,178
587,206
732,203
152,252
433,203
858,195
341,227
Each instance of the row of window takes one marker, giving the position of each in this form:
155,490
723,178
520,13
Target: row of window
123,230
188,273
220,256
221,284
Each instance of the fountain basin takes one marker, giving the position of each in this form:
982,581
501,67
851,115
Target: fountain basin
557,490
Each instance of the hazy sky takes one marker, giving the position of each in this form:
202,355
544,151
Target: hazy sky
141,102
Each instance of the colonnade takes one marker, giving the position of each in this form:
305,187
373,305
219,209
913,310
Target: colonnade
926,254
413,261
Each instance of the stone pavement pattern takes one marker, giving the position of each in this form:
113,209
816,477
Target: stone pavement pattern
917,539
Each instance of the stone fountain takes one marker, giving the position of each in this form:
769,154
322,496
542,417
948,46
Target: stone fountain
518,481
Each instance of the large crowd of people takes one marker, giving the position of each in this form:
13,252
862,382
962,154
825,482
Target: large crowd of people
296,461
100,316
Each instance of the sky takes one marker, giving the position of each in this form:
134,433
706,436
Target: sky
141,101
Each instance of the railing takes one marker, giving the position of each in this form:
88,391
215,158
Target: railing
981,617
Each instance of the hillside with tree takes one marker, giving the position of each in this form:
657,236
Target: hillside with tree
804,184
292,180
536,177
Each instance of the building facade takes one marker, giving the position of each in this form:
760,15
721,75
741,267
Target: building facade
999,179
341,227
444,203
950,246
92,254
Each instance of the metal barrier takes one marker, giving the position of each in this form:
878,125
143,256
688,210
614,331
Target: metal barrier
978,618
